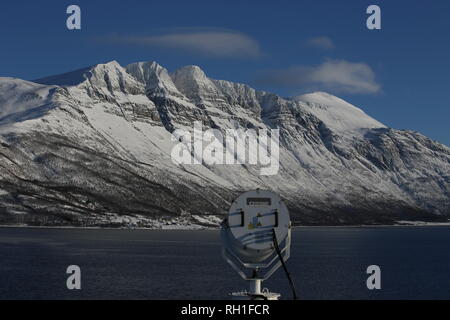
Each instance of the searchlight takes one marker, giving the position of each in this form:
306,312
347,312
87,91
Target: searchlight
256,238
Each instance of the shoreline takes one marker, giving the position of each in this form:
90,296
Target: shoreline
204,228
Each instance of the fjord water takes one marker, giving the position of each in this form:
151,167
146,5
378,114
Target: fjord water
326,263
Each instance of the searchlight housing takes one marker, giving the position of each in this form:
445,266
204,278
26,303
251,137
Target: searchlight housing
256,237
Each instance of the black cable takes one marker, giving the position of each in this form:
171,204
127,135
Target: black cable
277,249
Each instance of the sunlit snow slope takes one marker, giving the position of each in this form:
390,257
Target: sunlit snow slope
89,146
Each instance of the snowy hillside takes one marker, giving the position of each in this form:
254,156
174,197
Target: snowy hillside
93,147
337,113
22,97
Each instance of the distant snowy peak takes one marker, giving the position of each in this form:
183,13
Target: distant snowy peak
191,74
326,99
190,86
156,78
337,113
71,78
79,76
18,95
115,78
194,84
111,76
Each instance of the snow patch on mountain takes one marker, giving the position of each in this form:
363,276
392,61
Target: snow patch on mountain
337,113
20,98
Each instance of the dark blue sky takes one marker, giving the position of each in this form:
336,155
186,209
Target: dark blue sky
399,75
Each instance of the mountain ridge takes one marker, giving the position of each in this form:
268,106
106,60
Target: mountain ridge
101,149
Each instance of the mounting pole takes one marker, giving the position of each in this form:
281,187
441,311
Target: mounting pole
255,287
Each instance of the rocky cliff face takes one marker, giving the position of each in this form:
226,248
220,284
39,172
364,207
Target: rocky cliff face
94,145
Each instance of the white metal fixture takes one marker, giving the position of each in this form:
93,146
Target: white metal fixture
256,237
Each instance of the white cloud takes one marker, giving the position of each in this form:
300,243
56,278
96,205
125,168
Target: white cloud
321,42
208,42
333,75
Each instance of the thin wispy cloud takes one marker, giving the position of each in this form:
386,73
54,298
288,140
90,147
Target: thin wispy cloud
332,75
208,42
324,43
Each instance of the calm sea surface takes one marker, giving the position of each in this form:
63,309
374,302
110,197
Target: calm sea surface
326,263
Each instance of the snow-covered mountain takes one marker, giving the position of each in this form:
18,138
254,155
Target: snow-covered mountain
93,146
